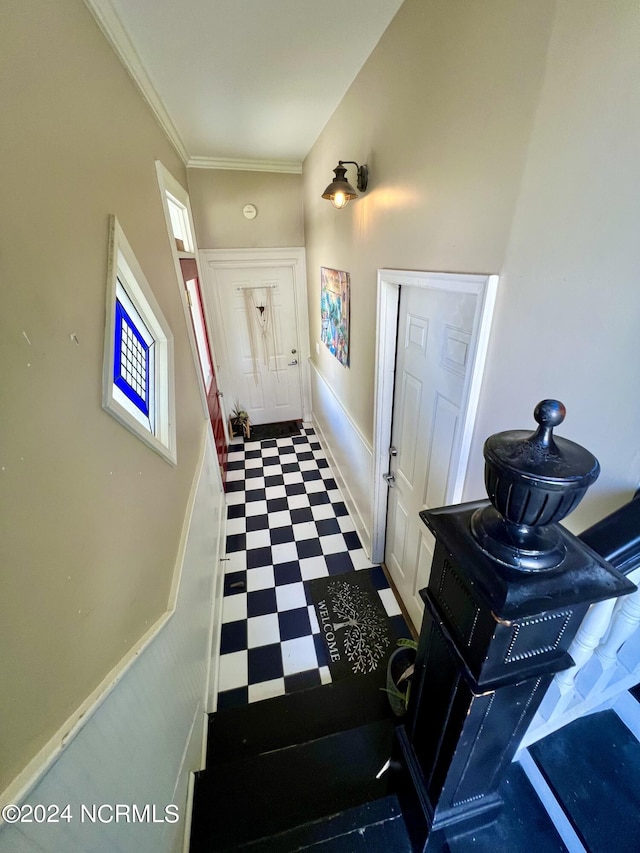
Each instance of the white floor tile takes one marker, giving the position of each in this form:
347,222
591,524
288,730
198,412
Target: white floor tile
360,559
334,495
235,475
234,670
292,477
254,483
308,465
313,567
272,470
389,602
260,578
234,607
266,690
275,492
325,675
345,523
333,544
305,530
323,511
253,463
234,498
258,539
284,553
256,508
298,501
236,525
290,596
284,442
279,519
299,655
315,486
313,618
236,561
263,630
251,445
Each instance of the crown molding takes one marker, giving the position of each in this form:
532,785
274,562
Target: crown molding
118,38
288,167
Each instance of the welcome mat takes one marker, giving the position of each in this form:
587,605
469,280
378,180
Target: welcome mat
262,432
356,631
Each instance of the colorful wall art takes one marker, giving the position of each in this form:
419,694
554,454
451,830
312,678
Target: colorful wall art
334,312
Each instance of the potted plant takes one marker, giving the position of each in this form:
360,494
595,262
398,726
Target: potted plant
400,669
239,421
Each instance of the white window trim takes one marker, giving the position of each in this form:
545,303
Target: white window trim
169,186
123,264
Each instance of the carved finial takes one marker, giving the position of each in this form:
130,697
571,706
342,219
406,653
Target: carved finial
549,414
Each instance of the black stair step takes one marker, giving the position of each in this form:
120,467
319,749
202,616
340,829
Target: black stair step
593,768
374,826
261,796
296,718
521,825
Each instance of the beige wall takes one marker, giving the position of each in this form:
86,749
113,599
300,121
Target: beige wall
500,139
91,518
218,196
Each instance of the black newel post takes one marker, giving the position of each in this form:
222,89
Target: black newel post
507,592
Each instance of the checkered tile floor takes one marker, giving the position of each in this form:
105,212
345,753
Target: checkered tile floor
286,524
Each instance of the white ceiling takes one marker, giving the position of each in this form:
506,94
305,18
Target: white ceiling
249,80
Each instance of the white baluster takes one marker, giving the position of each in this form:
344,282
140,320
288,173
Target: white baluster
605,667
561,693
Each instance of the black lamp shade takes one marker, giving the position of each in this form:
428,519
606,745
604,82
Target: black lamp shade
339,192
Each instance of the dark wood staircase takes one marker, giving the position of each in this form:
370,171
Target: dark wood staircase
299,771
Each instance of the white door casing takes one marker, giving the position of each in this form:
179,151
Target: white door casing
282,391
431,392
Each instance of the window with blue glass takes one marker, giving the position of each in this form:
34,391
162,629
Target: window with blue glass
131,360
138,369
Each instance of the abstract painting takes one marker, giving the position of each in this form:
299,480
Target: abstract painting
334,312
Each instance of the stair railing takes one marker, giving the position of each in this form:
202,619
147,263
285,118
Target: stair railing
606,649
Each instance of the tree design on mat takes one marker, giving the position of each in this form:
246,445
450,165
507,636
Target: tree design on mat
366,636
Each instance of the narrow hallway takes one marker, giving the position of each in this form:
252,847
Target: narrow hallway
287,524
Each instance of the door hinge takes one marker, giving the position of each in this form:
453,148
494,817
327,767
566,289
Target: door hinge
390,478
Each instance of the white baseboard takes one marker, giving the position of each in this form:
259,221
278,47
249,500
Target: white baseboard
348,452
188,814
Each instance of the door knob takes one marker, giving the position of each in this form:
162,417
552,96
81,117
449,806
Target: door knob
390,478
293,363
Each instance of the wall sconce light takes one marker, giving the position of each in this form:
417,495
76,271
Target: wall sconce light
340,192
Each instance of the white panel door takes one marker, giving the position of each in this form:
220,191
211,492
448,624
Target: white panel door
268,386
433,356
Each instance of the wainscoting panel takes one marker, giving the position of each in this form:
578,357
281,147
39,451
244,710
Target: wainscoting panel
349,453
145,735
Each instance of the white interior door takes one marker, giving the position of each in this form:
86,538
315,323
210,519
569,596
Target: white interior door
264,378
433,358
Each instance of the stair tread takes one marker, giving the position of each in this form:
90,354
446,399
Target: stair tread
377,821
521,821
259,796
295,718
593,768
390,835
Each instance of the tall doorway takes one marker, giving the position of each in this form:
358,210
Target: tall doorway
261,330
433,332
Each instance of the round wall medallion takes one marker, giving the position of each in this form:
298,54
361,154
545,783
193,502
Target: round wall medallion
249,211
